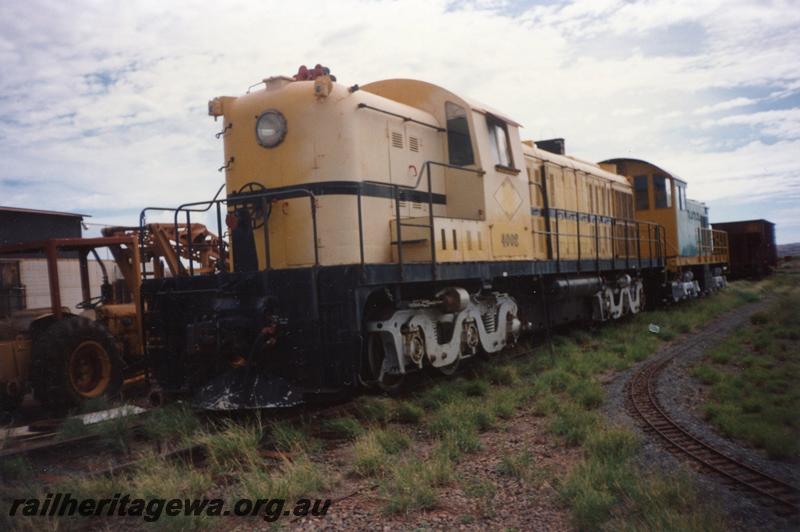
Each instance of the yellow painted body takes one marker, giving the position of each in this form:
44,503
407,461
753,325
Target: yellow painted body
688,244
585,198
487,216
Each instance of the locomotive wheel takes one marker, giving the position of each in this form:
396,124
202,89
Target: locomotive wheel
375,356
75,359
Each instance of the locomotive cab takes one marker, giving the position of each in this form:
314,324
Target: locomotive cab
696,253
358,150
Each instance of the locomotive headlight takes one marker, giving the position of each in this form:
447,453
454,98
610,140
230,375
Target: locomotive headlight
270,128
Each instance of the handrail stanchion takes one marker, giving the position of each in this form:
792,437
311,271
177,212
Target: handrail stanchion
360,229
596,243
558,244
265,229
313,201
221,265
578,236
399,231
189,239
627,265
142,257
434,268
638,245
613,243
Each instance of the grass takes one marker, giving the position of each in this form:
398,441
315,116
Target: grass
752,379
290,437
347,428
482,492
369,457
408,412
375,409
413,447
411,484
372,450
608,481
234,447
562,385
173,423
292,479
518,466
608,489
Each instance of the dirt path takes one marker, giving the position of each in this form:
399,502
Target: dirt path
677,393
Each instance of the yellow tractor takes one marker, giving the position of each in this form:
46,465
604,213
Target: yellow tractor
66,357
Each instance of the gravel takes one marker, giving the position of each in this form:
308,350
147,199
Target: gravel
679,394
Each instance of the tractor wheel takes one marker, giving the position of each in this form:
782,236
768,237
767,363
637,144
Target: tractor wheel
74,360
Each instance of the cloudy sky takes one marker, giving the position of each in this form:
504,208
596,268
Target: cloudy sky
103,104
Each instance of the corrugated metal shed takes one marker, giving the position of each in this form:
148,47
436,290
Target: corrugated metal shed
25,225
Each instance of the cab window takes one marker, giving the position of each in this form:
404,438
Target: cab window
459,144
498,138
640,189
662,191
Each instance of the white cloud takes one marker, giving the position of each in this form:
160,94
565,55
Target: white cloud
783,123
102,105
726,105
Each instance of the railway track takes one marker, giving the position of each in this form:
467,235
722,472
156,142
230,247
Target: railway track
643,403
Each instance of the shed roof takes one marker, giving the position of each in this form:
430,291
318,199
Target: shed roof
44,213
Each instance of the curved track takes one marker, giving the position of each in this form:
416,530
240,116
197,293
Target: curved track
644,405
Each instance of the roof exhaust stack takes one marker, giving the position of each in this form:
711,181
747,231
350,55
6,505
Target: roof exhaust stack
552,145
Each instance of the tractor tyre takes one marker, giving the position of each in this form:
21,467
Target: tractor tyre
75,360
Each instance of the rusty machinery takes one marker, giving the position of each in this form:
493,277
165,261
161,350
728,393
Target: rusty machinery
66,357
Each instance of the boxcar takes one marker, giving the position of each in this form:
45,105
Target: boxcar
753,252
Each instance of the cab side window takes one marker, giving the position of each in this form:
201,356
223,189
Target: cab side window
459,144
681,196
640,189
498,138
662,191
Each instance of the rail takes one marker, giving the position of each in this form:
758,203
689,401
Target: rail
643,402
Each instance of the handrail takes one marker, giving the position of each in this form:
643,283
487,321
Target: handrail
632,230
404,118
263,196
397,195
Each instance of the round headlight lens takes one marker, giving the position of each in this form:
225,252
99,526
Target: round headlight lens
270,128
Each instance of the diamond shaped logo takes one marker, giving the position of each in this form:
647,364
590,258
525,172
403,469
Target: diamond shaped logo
508,198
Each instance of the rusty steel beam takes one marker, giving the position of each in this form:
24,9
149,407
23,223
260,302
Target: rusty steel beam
52,275
65,244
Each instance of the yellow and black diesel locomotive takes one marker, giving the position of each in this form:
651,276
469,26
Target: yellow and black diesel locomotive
381,229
